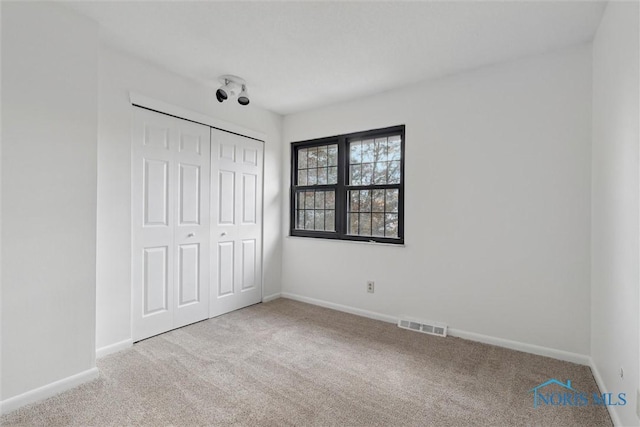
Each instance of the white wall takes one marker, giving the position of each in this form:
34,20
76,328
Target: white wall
0,206
497,204
119,74
614,273
49,117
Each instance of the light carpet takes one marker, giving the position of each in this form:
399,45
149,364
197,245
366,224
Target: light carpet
289,363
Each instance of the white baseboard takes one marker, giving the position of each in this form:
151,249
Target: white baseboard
471,336
113,348
567,356
603,389
340,307
47,391
271,297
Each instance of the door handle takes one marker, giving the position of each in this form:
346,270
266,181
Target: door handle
224,233
191,235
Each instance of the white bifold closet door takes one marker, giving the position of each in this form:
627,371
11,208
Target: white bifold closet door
171,234
236,227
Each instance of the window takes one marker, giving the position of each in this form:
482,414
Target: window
349,187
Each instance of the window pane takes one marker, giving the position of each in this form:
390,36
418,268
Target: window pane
391,225
365,224
333,175
302,158
319,218
377,201
329,220
302,177
330,200
308,219
380,161
319,200
300,200
353,224
381,149
312,176
365,201
393,147
373,212
312,159
367,174
322,176
356,174
309,200
322,156
332,155
392,200
394,172
380,174
368,152
355,154
300,220
354,201
377,224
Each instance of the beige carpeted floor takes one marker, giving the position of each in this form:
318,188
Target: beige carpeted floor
289,363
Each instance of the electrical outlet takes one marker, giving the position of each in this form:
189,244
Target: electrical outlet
371,286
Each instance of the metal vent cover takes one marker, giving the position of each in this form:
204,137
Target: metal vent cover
424,326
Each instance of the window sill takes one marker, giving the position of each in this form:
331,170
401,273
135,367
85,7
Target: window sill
356,242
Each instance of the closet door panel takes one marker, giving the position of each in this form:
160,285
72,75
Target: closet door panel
236,237
170,223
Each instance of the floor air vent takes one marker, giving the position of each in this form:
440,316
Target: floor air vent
431,328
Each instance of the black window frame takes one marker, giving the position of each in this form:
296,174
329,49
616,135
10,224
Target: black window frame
342,187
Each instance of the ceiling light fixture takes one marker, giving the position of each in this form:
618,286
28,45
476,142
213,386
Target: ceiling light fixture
232,86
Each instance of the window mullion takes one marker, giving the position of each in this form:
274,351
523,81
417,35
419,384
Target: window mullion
294,193
341,195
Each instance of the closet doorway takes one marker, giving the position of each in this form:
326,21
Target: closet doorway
196,222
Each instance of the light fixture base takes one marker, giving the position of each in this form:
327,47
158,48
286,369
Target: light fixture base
231,78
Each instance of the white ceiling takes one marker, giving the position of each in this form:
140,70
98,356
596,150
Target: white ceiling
300,55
